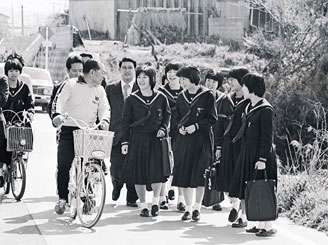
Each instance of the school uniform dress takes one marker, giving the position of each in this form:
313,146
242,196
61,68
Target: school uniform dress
193,153
229,121
142,118
256,144
172,96
19,99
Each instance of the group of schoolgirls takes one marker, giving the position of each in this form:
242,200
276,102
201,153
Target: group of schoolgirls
204,125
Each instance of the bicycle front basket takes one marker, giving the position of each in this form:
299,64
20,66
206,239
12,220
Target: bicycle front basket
19,139
88,141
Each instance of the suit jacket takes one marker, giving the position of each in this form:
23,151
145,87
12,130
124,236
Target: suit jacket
116,102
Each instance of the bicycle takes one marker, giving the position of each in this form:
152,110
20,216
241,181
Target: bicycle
20,143
87,186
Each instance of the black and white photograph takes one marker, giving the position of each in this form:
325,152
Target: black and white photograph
141,122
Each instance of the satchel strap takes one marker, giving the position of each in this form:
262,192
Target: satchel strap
265,174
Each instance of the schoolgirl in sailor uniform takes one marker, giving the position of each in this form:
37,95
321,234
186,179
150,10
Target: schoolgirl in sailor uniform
171,90
146,117
229,121
256,151
213,81
193,149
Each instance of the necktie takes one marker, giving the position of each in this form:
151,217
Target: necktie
125,90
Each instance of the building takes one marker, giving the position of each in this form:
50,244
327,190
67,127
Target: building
4,26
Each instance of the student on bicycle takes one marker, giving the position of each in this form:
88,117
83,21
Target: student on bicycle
20,99
83,99
4,91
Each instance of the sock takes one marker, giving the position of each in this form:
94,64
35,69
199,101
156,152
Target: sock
243,217
189,209
268,225
162,199
155,201
235,203
143,205
181,199
197,206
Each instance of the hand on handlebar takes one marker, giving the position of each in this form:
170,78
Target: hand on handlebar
58,120
104,125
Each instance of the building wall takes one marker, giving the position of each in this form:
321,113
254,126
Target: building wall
99,13
3,25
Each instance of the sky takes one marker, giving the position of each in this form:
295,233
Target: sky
35,11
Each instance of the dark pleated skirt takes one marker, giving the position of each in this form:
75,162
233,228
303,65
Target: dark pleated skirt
192,155
245,168
5,156
143,163
230,152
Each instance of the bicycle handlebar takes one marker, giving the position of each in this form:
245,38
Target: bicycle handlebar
16,114
76,121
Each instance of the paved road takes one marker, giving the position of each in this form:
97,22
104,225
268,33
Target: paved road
33,221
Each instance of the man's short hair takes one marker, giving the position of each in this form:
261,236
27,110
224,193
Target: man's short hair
125,59
89,65
72,60
86,55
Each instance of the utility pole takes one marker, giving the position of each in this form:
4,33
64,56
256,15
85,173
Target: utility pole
22,20
12,17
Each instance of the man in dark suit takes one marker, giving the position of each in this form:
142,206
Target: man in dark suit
116,94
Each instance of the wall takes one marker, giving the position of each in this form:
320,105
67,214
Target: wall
99,13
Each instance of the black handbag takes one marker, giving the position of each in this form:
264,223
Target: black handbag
261,199
211,196
167,154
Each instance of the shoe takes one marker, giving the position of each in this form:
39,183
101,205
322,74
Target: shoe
116,194
265,233
195,215
181,207
239,224
144,212
163,205
154,210
87,206
171,194
186,216
2,181
233,215
132,204
253,230
60,206
217,207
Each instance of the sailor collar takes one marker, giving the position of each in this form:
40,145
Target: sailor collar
168,91
156,92
264,103
219,96
203,91
233,103
20,85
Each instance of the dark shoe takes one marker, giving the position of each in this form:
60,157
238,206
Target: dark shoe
265,233
233,215
195,215
132,204
217,207
181,207
2,181
144,212
154,210
163,205
253,230
186,216
171,195
116,194
239,224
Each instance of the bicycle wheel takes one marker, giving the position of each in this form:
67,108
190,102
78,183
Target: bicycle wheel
72,187
91,194
18,178
6,186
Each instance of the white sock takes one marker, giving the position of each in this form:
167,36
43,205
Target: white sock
181,199
197,206
162,199
155,201
268,225
243,217
143,205
261,225
189,209
235,203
